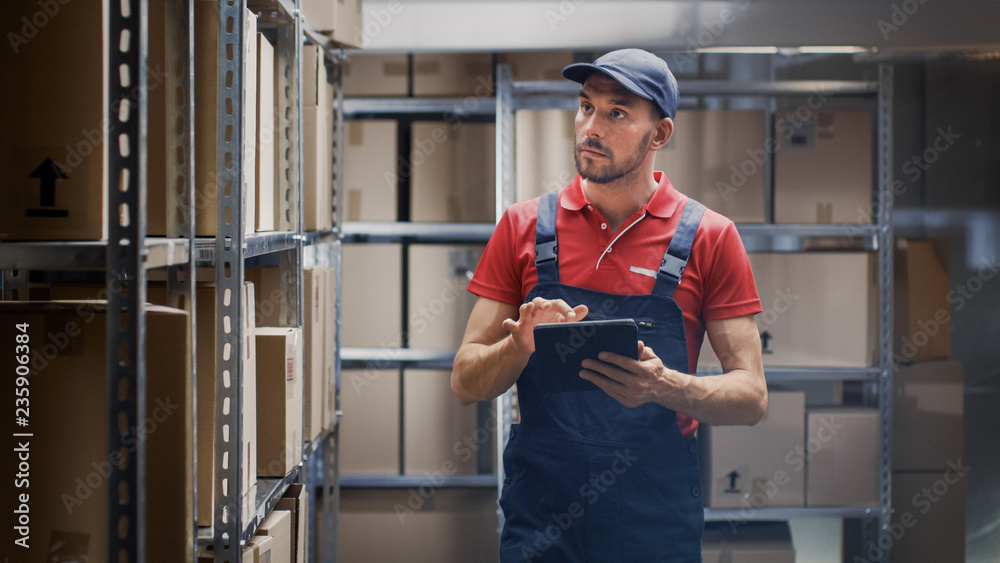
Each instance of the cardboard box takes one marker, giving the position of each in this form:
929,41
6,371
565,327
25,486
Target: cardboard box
536,65
370,170
266,177
442,435
317,178
453,74
922,314
928,415
159,150
313,332
296,501
749,542
719,157
369,430
757,466
270,305
439,303
928,521
823,167
208,187
340,19
279,400
278,524
453,176
543,146
69,457
314,77
842,469
820,310
53,154
373,270
452,526
376,75
258,550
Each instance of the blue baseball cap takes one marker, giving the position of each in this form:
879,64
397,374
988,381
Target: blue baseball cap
641,72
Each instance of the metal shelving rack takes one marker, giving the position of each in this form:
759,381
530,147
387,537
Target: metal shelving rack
511,96
128,254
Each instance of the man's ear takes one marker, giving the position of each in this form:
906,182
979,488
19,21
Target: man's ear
664,131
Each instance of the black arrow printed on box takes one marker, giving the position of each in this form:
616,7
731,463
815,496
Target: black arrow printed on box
765,339
733,476
47,173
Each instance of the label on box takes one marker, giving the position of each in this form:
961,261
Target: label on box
290,357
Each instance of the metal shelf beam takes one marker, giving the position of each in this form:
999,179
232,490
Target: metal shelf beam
426,233
396,358
789,512
416,481
157,253
565,88
354,107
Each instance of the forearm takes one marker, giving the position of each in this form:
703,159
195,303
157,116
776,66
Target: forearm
482,372
738,397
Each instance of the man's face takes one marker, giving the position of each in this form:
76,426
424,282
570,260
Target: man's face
613,129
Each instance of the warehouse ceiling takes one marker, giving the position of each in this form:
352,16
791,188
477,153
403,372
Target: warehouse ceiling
896,26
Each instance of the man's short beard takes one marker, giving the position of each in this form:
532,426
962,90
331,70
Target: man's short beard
614,172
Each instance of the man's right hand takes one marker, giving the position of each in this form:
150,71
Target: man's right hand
537,311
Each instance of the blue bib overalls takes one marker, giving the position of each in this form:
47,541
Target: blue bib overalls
588,479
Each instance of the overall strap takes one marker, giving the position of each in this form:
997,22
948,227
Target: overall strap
676,257
546,245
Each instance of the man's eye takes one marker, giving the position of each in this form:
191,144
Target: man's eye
617,113
585,107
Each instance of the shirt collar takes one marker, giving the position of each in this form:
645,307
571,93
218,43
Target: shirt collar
663,203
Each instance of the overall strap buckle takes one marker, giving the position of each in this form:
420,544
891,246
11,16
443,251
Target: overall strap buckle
675,259
546,243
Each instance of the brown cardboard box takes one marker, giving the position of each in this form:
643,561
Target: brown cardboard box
928,521
266,139
921,311
157,150
279,400
296,501
819,310
278,524
314,77
316,169
376,75
369,431
928,415
375,271
747,542
68,457
52,153
370,176
823,167
258,550
206,113
313,331
453,172
268,293
451,526
719,157
842,469
453,74
536,65
443,437
752,467
543,151
439,303
340,19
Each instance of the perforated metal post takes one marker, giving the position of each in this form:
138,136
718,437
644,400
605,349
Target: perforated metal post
230,512
126,279
504,197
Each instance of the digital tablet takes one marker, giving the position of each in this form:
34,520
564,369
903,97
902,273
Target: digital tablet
560,348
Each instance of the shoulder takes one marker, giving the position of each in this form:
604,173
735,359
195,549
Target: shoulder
715,227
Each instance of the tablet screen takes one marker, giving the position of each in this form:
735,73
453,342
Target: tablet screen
560,348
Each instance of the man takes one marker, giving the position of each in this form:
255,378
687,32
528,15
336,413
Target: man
612,474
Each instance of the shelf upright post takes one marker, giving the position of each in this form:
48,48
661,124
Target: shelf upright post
876,530
179,27
14,285
125,353
504,197
231,513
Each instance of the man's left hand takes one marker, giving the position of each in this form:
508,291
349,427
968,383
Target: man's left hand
633,382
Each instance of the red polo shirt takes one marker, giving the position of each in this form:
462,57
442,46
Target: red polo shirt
717,283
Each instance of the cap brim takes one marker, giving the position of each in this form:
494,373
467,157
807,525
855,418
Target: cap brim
578,72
